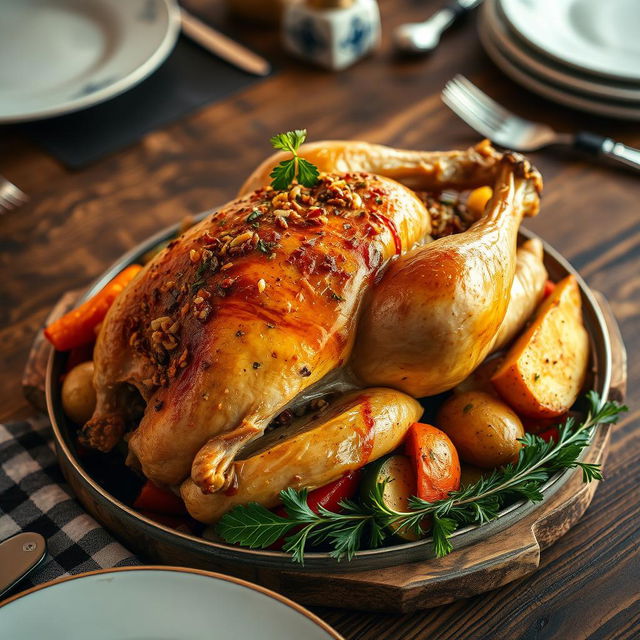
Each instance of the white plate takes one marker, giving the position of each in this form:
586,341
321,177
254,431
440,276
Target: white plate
597,36
157,603
58,56
518,51
610,109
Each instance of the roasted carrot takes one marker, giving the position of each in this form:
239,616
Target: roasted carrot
436,460
78,327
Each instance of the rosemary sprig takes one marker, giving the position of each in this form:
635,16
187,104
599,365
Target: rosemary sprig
367,523
296,168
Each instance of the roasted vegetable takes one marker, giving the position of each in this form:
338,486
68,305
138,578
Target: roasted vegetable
398,474
484,429
78,327
78,393
159,500
478,199
436,460
545,368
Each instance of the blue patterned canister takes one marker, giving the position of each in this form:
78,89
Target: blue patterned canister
331,33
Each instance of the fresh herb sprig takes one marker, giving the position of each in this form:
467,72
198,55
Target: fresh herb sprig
367,523
296,168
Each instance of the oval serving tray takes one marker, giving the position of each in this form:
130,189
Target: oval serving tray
168,545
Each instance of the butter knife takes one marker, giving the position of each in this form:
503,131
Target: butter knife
223,46
20,555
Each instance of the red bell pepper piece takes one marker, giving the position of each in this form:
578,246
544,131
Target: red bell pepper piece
548,289
550,434
157,500
436,460
329,496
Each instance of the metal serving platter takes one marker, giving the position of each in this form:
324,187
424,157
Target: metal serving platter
169,545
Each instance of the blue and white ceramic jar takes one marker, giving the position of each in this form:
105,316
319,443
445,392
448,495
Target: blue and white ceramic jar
331,33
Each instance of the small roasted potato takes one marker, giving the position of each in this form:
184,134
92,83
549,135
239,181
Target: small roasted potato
78,393
484,430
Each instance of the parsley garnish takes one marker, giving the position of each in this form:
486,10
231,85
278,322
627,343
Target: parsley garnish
296,168
366,523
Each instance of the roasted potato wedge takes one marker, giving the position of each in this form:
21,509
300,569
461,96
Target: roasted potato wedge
545,368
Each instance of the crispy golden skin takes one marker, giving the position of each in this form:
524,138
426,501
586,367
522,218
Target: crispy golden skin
418,170
359,427
526,291
266,296
217,352
435,313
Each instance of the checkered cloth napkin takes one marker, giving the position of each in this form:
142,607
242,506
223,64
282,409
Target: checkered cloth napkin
34,497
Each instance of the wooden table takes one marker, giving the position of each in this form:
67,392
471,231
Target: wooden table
77,223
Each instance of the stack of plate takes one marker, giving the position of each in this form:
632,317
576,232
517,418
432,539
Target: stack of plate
584,54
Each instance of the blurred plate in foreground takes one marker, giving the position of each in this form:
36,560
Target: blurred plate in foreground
159,603
58,56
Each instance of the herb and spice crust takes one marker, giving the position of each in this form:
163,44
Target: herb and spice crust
241,313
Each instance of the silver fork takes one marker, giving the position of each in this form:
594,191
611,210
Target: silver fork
507,129
10,196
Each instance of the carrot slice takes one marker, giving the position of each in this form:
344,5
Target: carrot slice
436,460
77,327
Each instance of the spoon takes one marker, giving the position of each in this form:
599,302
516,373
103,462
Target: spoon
423,37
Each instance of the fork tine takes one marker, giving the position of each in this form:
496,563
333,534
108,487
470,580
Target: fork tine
10,196
467,102
13,199
476,125
474,116
493,118
483,98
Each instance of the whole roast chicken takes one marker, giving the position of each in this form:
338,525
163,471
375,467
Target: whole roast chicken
280,294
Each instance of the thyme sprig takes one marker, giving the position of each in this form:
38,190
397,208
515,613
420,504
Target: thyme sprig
368,523
296,168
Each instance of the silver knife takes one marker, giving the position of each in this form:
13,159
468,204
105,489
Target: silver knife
19,556
223,46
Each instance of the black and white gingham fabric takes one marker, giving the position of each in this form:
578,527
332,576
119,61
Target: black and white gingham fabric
34,497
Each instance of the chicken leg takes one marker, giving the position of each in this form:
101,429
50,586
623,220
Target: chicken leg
435,313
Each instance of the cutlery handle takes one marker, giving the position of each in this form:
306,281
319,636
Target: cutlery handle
603,147
451,12
19,555
223,46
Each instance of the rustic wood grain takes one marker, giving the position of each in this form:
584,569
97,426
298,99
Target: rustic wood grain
79,222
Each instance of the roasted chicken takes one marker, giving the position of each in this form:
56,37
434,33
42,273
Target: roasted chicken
279,293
